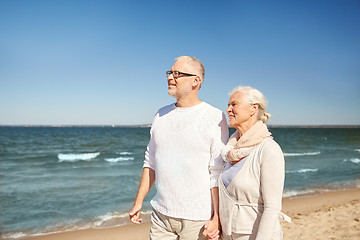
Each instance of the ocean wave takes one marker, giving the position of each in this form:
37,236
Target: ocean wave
119,159
73,157
357,150
14,235
116,219
303,170
124,153
353,160
51,229
293,193
301,154
104,220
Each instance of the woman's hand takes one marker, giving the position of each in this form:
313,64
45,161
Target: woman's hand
214,235
212,229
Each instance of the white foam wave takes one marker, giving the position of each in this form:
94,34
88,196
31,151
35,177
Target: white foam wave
116,219
51,230
353,160
357,150
301,154
108,217
119,159
303,170
125,153
104,221
292,193
14,235
73,157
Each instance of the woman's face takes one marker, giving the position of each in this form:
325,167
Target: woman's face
239,110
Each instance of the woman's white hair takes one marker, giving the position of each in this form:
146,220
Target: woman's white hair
254,96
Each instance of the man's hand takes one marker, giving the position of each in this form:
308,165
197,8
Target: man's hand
134,214
147,180
212,229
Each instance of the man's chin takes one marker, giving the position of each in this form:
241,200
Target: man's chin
171,92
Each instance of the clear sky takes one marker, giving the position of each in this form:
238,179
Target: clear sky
104,62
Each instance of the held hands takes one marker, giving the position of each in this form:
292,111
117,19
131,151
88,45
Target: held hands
134,214
211,229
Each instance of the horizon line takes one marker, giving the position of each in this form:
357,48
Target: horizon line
149,125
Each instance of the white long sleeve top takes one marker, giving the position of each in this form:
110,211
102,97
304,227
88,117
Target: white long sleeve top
251,203
185,153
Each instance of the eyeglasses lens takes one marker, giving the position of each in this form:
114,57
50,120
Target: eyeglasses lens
174,73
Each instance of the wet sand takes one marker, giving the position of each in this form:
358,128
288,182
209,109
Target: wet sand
330,215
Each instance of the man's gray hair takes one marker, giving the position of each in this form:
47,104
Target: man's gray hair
254,96
195,63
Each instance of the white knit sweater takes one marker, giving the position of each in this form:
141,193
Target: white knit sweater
184,151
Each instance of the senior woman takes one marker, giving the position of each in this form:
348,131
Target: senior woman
252,180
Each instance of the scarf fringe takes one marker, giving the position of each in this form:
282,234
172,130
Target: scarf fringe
238,149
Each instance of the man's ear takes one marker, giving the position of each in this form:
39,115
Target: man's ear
196,81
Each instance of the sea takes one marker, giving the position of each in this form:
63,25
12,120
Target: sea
57,179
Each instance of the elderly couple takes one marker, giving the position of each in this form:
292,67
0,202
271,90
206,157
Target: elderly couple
209,186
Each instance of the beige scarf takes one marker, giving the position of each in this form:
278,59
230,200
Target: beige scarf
235,149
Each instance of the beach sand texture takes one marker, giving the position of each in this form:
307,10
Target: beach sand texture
331,215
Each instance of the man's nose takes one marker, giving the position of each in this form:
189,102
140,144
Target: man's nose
170,77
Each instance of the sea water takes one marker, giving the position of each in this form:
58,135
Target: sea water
61,179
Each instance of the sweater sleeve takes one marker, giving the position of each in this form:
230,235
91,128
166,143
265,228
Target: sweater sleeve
220,137
272,176
149,153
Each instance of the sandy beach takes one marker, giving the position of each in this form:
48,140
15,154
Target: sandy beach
330,215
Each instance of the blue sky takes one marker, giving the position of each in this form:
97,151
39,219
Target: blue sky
104,62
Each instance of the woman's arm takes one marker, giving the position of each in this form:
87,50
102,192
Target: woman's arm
272,175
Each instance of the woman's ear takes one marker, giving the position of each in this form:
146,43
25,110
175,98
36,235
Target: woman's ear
254,109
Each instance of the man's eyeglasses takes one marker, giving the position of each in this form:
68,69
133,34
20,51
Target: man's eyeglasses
177,74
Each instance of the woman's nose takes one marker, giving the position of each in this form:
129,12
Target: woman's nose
228,109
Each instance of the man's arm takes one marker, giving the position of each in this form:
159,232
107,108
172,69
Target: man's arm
221,136
212,227
147,180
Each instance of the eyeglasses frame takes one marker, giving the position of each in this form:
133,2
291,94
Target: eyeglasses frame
168,73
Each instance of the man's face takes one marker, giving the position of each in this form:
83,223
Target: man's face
182,85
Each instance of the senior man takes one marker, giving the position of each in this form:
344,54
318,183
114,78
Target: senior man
183,159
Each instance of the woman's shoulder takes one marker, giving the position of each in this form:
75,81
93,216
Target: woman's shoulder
269,144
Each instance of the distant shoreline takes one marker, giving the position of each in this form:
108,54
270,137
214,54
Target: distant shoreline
85,126
314,126
149,125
